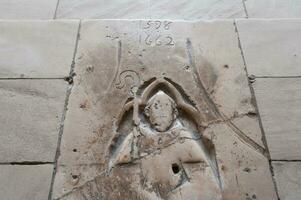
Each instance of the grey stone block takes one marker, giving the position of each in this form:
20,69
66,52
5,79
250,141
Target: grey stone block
29,9
153,9
288,179
37,49
25,182
279,103
271,47
273,8
31,111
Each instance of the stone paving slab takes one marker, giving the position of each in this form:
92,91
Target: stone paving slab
203,62
288,178
22,182
279,103
273,8
29,9
195,9
150,9
271,47
37,49
31,111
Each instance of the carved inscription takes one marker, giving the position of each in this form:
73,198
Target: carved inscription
155,33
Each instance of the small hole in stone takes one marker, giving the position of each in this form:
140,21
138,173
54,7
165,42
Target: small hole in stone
175,168
74,150
226,66
75,176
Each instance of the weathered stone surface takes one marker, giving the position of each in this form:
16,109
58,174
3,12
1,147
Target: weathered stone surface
33,9
271,47
39,49
29,121
129,9
195,9
279,103
288,178
154,9
273,8
159,113
19,182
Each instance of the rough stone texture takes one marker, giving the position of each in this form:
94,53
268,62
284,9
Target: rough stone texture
29,121
183,135
152,9
20,182
288,177
273,8
33,9
40,49
271,47
279,103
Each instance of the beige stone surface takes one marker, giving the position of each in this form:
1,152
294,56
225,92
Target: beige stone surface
36,49
30,118
185,135
20,182
195,9
152,9
29,9
279,104
273,8
271,47
128,9
288,178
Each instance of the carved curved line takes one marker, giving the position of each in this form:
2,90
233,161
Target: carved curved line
125,108
127,74
179,101
238,133
117,68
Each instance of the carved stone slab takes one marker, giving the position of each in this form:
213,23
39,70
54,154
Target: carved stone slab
161,110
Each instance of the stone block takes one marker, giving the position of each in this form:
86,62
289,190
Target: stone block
288,179
31,111
37,49
279,103
273,8
271,47
153,9
159,111
20,182
33,9
195,9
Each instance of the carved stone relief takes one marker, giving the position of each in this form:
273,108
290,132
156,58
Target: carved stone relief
158,113
162,147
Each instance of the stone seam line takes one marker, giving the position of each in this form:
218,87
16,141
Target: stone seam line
56,8
65,109
256,107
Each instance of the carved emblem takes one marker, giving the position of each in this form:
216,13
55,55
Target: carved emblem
161,131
